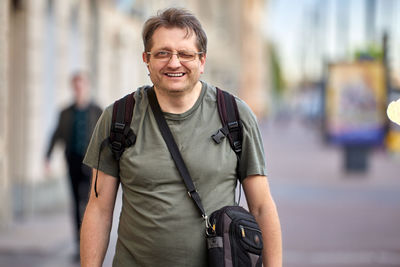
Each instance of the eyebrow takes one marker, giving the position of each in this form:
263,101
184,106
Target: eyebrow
164,49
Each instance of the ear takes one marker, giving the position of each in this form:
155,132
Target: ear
144,57
202,63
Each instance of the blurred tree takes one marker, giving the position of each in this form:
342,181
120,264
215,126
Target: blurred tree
277,79
371,52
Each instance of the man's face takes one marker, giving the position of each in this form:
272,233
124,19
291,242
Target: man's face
174,76
80,88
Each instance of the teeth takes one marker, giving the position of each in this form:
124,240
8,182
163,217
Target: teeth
175,74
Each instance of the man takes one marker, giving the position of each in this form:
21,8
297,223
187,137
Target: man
74,129
159,224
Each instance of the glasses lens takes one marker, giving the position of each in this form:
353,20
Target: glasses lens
162,55
186,56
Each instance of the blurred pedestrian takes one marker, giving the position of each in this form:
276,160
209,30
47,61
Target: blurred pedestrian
74,128
159,224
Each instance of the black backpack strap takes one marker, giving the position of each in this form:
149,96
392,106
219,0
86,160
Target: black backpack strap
121,134
231,127
231,124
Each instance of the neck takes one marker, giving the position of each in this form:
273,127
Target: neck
81,104
178,103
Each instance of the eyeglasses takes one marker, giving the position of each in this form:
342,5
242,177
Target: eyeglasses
183,56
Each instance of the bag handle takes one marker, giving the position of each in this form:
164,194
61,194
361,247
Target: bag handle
174,150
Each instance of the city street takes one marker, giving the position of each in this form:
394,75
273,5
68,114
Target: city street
329,218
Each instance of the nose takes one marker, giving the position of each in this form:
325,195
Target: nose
174,60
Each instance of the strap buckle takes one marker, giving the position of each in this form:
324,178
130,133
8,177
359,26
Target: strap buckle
130,139
119,127
223,132
209,228
218,136
116,146
237,146
233,126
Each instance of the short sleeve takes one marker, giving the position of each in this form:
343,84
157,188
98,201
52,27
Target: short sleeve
102,160
252,160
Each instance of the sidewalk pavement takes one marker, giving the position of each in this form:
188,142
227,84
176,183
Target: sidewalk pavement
331,218
328,218
40,241
46,240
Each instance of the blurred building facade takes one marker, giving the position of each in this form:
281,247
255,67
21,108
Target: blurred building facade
4,177
43,42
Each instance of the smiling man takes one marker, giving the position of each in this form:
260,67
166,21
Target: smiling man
176,67
159,225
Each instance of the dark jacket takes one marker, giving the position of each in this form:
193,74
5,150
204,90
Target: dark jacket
63,131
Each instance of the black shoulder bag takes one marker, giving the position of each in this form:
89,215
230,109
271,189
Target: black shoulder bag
232,233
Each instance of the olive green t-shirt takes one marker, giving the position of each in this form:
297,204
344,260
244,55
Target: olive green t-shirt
159,224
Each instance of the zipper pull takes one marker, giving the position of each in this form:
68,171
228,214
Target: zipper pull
242,231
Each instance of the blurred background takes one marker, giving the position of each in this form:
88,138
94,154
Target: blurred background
318,74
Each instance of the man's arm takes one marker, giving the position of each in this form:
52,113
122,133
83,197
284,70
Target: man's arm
263,207
97,221
56,135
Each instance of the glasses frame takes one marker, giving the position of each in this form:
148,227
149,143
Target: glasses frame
174,53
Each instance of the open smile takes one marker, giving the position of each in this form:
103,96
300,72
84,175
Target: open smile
175,75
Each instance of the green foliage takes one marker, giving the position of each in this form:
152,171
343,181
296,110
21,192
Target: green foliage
372,51
278,83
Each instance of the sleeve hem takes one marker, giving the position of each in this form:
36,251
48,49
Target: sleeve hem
261,172
103,169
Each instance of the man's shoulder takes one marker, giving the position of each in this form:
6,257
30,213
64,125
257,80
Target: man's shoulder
245,113
139,94
95,107
67,110
211,91
140,97
242,105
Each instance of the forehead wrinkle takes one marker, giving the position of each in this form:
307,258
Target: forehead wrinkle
165,48
189,32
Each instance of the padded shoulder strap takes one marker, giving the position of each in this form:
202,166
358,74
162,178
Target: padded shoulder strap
232,126
121,134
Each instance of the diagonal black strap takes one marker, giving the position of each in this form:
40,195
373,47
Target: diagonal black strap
174,150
